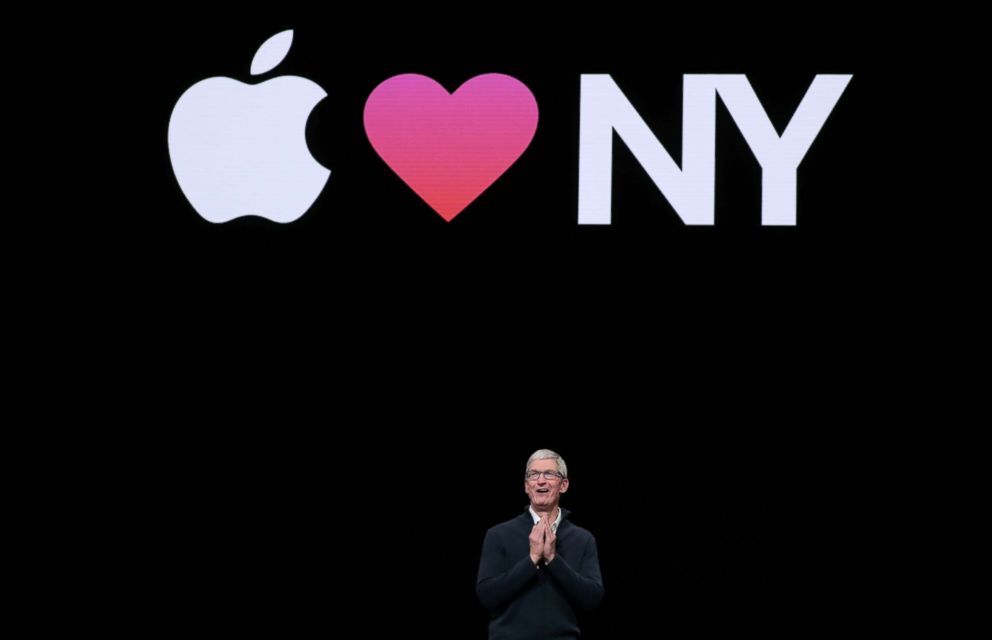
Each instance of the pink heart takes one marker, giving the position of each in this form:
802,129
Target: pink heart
449,148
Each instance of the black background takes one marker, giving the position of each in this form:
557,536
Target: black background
700,382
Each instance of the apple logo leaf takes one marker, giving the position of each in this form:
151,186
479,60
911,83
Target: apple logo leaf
271,52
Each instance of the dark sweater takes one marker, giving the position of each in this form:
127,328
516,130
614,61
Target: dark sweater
538,602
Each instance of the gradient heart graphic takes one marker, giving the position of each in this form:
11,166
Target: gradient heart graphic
449,148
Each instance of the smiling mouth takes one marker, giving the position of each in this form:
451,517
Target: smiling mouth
542,491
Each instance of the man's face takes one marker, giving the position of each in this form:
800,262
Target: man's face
543,491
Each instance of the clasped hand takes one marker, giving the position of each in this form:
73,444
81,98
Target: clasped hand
542,541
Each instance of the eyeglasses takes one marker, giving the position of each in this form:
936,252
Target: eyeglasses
548,475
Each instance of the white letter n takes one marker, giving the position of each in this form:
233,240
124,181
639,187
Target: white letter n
604,109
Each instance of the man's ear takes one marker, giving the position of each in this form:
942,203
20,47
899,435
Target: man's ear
564,486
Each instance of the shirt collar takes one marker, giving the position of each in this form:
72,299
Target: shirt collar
537,518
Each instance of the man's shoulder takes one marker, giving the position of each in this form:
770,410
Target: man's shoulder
578,531
513,524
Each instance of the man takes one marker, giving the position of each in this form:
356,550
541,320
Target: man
538,568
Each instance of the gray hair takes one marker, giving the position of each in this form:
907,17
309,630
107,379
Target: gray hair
548,454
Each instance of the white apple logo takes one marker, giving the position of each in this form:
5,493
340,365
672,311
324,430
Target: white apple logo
239,149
